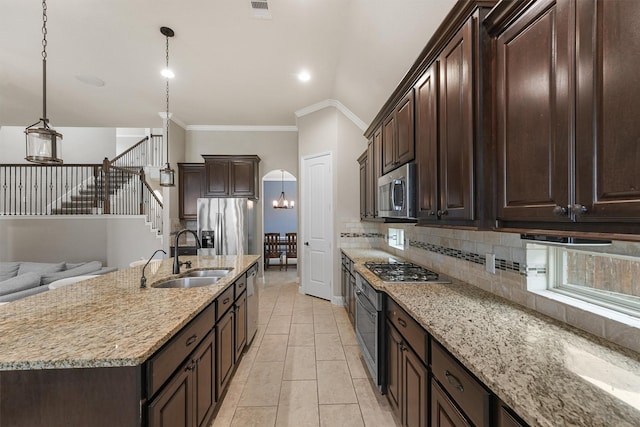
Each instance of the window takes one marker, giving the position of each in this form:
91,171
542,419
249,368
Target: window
608,280
395,238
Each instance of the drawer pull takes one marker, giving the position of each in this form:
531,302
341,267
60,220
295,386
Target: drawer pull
402,322
225,301
453,381
191,340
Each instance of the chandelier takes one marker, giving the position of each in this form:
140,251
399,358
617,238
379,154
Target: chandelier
167,175
282,202
42,142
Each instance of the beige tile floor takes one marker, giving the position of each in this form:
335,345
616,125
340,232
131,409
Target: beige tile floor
303,368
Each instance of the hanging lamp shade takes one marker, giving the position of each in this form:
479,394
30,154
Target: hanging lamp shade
167,174
42,143
282,202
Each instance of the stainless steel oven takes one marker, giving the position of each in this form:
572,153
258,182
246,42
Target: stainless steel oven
369,324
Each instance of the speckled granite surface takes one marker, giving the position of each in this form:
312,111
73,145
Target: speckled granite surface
549,373
108,320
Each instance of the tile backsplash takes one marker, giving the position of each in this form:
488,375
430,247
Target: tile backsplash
462,254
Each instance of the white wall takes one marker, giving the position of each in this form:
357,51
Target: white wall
114,241
329,130
79,145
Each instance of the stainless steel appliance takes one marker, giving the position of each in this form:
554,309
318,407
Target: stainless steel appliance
369,322
252,303
227,226
396,193
405,272
369,318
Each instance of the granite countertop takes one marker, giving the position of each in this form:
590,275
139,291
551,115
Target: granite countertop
107,320
549,373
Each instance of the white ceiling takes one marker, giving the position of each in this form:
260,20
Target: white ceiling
231,69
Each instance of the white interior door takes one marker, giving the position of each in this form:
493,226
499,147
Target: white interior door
317,225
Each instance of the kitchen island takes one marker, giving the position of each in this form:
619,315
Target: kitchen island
84,348
549,373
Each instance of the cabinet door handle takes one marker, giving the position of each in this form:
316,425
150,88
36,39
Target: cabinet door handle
559,210
443,213
225,301
432,213
402,322
191,340
454,381
579,209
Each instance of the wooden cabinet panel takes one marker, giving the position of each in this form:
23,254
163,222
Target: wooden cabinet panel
226,351
426,105
243,182
456,140
217,178
443,411
371,180
607,104
190,187
415,383
388,144
405,151
532,109
204,383
241,324
174,405
506,419
376,166
362,160
394,367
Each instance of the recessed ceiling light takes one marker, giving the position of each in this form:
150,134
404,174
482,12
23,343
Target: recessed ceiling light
91,80
167,73
304,76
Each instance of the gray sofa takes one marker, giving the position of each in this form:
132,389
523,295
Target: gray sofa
21,279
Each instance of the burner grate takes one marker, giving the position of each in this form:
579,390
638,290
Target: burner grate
401,272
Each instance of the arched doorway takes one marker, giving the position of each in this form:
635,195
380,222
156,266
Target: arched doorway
280,215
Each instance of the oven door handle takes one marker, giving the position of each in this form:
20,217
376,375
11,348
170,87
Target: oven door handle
364,303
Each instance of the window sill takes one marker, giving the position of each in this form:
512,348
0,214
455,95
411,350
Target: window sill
604,313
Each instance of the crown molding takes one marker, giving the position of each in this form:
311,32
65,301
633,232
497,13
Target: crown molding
242,128
337,105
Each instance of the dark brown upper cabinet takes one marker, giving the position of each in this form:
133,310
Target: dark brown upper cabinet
444,105
567,103
231,176
398,143
190,185
369,173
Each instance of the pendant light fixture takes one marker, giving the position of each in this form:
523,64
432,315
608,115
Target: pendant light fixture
42,142
167,175
282,202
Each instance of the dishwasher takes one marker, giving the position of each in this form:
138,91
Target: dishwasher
252,303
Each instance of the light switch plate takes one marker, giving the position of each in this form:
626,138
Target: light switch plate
490,263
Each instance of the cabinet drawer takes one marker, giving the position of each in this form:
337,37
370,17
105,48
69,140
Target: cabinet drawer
224,301
241,285
465,390
411,331
168,358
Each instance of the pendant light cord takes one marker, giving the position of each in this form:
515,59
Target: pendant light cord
44,64
167,116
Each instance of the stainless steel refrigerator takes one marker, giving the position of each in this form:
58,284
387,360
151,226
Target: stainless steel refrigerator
227,226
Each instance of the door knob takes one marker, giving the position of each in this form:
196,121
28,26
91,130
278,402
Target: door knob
306,243
579,209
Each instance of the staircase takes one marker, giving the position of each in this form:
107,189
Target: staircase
88,198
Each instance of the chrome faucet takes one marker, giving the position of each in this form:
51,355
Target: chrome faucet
143,280
176,261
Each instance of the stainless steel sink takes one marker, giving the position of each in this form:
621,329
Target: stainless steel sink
208,273
188,282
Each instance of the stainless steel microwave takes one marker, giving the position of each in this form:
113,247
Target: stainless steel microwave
396,193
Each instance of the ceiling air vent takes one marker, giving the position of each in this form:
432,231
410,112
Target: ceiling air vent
260,9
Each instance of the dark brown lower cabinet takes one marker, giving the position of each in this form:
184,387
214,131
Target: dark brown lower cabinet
407,381
189,398
226,351
505,418
443,412
241,324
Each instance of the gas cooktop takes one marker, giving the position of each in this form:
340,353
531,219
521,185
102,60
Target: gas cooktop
395,272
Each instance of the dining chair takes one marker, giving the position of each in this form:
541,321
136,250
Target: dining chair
291,244
272,249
